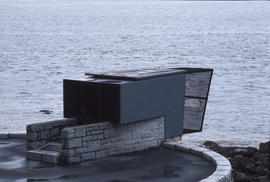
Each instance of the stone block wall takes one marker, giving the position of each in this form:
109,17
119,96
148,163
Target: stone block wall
98,140
39,134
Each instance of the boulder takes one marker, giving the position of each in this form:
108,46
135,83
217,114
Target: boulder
212,145
259,156
241,177
262,178
265,147
261,171
249,164
266,162
251,151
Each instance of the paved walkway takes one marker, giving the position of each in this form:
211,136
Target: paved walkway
155,165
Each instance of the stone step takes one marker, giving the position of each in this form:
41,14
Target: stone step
51,146
43,155
47,153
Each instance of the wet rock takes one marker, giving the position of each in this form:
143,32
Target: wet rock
212,145
46,111
247,152
261,171
228,151
265,147
262,179
240,177
257,163
259,156
249,164
248,168
266,162
251,151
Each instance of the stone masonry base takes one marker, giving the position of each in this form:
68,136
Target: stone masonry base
92,141
80,141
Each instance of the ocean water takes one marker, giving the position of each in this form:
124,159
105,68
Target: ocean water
42,42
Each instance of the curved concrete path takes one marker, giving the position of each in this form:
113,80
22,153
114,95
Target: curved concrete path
223,172
159,165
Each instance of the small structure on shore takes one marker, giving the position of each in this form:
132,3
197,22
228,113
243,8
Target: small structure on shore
121,112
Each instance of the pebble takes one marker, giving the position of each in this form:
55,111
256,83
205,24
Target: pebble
46,111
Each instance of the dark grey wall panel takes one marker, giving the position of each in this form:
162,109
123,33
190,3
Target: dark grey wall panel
152,98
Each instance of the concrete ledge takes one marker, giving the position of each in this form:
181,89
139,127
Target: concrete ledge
12,135
223,171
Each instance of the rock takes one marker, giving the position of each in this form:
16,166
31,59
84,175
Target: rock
46,111
212,145
248,168
247,152
262,179
235,164
227,151
251,151
257,163
266,162
249,164
261,171
240,177
259,156
265,147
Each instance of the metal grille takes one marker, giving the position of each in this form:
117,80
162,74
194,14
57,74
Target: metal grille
80,98
109,102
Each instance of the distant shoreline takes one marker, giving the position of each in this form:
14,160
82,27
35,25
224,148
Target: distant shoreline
216,0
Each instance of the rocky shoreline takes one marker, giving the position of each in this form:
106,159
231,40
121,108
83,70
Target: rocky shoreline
249,164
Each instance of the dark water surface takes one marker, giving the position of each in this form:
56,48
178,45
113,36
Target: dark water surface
155,165
44,41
